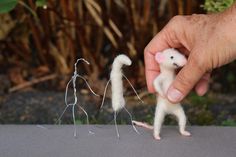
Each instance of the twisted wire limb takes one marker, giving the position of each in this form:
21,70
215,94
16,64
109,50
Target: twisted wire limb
73,114
133,88
91,132
73,80
87,84
117,131
66,93
104,94
59,119
67,105
131,119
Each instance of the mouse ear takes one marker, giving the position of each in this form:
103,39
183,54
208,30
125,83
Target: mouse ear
159,57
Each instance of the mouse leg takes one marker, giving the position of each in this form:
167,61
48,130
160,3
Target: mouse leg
179,113
159,118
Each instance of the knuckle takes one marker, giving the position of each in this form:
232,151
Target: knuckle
174,29
146,50
199,63
177,19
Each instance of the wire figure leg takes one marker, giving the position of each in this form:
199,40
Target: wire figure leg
117,131
104,94
87,118
135,129
59,119
73,114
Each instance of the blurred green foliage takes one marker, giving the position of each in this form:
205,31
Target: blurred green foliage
200,100
79,121
7,5
229,122
41,3
212,6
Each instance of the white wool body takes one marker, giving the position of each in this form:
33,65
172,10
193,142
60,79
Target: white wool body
118,101
169,60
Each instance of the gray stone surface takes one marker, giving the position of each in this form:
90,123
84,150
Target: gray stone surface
58,141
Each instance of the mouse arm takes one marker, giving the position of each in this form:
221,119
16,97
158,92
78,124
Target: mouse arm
158,85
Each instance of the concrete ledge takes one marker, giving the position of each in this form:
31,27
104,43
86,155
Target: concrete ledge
58,141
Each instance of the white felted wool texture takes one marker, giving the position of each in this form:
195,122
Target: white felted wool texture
116,75
171,59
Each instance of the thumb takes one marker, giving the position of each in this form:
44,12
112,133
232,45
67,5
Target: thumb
186,79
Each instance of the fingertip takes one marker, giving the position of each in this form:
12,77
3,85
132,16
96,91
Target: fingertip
151,90
203,85
201,90
174,95
187,78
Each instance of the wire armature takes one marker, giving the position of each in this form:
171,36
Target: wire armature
73,80
116,112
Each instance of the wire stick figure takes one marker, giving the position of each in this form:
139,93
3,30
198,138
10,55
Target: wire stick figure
73,80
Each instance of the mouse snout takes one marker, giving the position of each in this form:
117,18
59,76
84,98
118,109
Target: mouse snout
182,62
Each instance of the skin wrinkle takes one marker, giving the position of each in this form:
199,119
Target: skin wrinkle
184,43
171,36
211,39
183,50
205,41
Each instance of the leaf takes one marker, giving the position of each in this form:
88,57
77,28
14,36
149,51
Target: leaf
213,6
41,3
7,5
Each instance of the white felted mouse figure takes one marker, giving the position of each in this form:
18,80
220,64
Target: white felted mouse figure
118,101
169,60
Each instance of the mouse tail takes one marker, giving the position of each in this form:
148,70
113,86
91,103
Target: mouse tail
143,124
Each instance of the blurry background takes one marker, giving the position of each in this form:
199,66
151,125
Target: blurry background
40,41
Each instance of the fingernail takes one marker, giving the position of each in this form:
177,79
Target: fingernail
174,95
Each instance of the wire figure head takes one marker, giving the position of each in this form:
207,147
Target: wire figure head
80,59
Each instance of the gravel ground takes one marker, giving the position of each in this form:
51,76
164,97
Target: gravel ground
37,107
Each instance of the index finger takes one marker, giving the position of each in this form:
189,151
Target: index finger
152,69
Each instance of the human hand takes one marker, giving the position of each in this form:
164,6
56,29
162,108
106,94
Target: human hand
209,41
